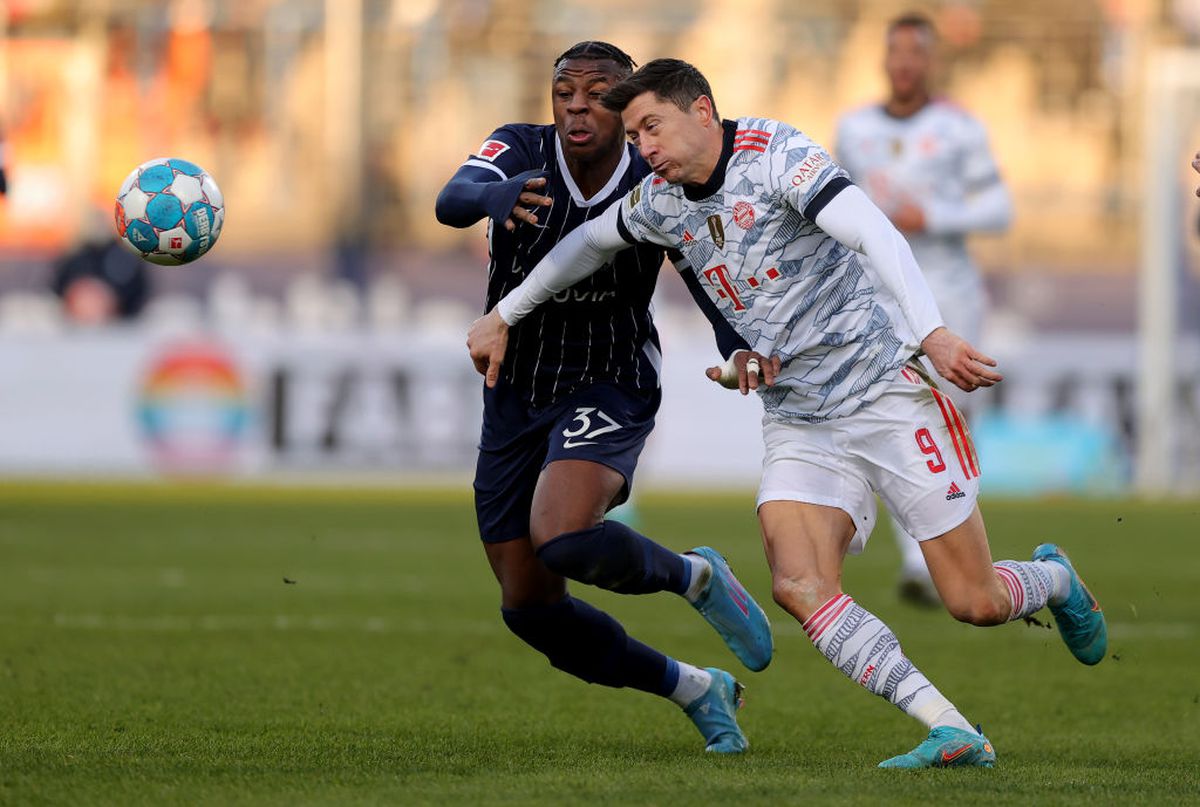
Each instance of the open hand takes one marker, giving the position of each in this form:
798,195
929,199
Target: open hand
528,197
959,363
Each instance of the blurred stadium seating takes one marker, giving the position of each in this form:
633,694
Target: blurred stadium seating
331,125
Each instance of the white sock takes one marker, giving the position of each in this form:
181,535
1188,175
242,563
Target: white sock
701,571
866,651
1033,584
1062,583
693,682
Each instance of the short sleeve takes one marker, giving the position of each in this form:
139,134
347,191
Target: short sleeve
805,174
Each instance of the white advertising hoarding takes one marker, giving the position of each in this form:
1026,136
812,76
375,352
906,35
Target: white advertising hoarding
128,402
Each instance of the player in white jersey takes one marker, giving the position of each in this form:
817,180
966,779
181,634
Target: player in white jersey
926,164
776,232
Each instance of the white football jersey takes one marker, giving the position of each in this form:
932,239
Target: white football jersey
786,286
937,158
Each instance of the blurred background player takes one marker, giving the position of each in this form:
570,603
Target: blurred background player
926,163
565,421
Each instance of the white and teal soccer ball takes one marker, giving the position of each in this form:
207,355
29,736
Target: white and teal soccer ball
169,211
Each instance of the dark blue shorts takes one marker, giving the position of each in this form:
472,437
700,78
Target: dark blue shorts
601,423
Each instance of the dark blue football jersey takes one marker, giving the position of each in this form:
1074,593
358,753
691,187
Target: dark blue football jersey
601,328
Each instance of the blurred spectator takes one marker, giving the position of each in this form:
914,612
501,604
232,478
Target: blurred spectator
99,280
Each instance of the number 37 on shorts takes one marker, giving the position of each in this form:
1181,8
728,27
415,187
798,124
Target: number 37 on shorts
588,424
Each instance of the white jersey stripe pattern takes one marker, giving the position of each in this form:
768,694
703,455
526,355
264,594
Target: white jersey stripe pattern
786,286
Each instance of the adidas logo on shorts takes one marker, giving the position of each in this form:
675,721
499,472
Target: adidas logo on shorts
955,492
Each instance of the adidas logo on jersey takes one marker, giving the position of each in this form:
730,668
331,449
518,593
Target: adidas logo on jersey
955,492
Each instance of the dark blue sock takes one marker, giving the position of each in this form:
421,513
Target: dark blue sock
589,644
616,557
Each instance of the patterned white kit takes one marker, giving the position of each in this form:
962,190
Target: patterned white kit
786,286
911,446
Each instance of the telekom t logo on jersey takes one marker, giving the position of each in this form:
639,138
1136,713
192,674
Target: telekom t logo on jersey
719,277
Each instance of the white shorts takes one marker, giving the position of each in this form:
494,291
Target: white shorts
911,446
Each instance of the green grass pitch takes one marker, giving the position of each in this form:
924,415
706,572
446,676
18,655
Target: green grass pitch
153,651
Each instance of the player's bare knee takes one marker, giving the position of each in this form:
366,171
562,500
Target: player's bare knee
544,530
799,595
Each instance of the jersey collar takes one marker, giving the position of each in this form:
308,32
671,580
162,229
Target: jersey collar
910,116
714,182
603,193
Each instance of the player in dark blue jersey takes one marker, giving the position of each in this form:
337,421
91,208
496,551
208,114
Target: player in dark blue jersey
568,416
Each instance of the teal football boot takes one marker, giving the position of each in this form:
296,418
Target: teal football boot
734,614
947,747
715,714
1079,618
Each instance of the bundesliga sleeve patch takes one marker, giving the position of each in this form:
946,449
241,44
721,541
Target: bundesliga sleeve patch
491,149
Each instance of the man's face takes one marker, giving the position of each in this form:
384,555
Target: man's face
909,61
671,140
587,130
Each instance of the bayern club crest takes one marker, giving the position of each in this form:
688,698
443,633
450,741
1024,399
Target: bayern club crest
743,215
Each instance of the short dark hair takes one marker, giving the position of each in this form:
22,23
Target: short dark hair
913,19
671,80
595,49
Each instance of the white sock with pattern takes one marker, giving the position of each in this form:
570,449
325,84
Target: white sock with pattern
867,651
1033,584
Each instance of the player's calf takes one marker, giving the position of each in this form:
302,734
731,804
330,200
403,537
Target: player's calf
866,651
612,556
589,644
802,595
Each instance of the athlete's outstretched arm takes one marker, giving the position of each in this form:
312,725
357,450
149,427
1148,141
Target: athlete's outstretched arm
472,193
584,250
855,221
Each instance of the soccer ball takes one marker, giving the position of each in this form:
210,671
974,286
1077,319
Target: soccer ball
169,211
